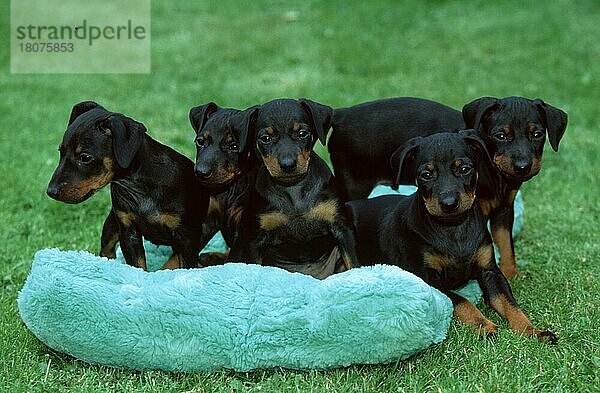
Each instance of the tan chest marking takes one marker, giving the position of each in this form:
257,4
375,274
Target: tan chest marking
487,205
169,220
324,211
236,214
483,256
273,220
435,261
126,218
213,207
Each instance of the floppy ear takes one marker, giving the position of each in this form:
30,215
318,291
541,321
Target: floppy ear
321,117
199,114
554,120
402,161
80,108
476,143
475,111
242,122
127,135
484,159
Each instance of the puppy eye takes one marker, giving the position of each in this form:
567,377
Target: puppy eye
538,134
234,147
464,170
426,175
85,158
303,134
500,136
200,143
265,138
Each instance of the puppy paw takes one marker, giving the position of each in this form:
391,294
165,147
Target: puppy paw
509,271
487,329
548,336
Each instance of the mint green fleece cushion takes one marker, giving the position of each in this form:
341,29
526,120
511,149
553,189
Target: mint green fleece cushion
236,316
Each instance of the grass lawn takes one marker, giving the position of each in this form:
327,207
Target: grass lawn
339,53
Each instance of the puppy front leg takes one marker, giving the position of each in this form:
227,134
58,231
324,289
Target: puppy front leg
110,236
502,225
132,246
497,293
247,249
467,313
187,248
346,242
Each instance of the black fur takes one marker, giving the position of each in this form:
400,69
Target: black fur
446,248
294,218
365,136
514,130
224,164
153,188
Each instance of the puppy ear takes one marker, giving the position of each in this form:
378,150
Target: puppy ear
484,164
476,143
321,117
402,161
475,111
242,122
473,139
127,135
80,108
199,114
554,120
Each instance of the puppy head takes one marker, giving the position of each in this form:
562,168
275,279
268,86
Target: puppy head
514,130
444,168
286,131
96,144
221,140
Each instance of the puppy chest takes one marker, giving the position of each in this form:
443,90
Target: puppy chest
158,227
451,270
300,224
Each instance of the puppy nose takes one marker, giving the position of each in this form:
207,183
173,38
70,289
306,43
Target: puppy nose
202,172
287,164
52,191
522,167
449,203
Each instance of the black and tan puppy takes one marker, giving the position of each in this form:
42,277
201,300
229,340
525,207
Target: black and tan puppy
514,130
439,233
294,218
224,164
153,188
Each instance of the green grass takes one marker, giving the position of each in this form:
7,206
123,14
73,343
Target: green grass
339,53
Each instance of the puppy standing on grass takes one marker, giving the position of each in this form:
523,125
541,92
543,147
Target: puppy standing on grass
153,188
294,218
439,233
513,128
